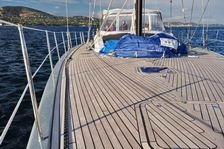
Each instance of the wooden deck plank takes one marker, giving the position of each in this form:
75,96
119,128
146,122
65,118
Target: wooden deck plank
194,136
122,96
186,123
77,126
155,84
206,83
108,121
82,114
187,128
213,119
219,116
105,94
216,82
90,119
175,128
72,138
160,133
98,114
204,112
166,127
112,110
110,93
193,88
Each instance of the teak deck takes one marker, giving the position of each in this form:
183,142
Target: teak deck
110,104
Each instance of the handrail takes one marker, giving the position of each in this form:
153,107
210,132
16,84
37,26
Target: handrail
212,35
30,81
69,40
32,28
8,23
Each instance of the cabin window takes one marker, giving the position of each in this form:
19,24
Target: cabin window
145,23
124,23
110,24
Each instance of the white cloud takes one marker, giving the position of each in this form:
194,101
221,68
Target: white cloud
62,1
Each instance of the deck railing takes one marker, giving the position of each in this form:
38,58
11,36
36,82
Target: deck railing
79,38
209,38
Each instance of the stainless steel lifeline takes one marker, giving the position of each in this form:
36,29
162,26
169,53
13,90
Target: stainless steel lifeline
50,57
56,44
76,40
63,39
30,80
30,76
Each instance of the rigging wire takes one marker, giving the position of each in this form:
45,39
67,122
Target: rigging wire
101,12
200,20
117,15
183,10
203,26
89,22
191,16
91,18
113,20
67,21
192,10
144,21
106,16
184,14
171,13
66,7
93,7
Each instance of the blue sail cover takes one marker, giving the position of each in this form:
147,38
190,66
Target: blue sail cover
158,45
109,46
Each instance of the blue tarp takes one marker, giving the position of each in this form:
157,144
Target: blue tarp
109,46
157,46
138,46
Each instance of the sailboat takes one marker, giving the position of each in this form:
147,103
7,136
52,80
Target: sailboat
130,100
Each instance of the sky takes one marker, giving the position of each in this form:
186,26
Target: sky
213,14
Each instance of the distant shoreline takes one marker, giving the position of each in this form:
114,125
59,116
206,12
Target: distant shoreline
32,17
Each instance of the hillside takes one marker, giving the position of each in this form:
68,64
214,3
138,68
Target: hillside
29,16
19,11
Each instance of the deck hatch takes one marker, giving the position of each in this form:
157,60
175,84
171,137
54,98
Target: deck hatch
152,69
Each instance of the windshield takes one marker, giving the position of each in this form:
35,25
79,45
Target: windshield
121,23
152,21
156,22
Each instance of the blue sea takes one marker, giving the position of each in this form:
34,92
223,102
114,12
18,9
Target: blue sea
13,79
